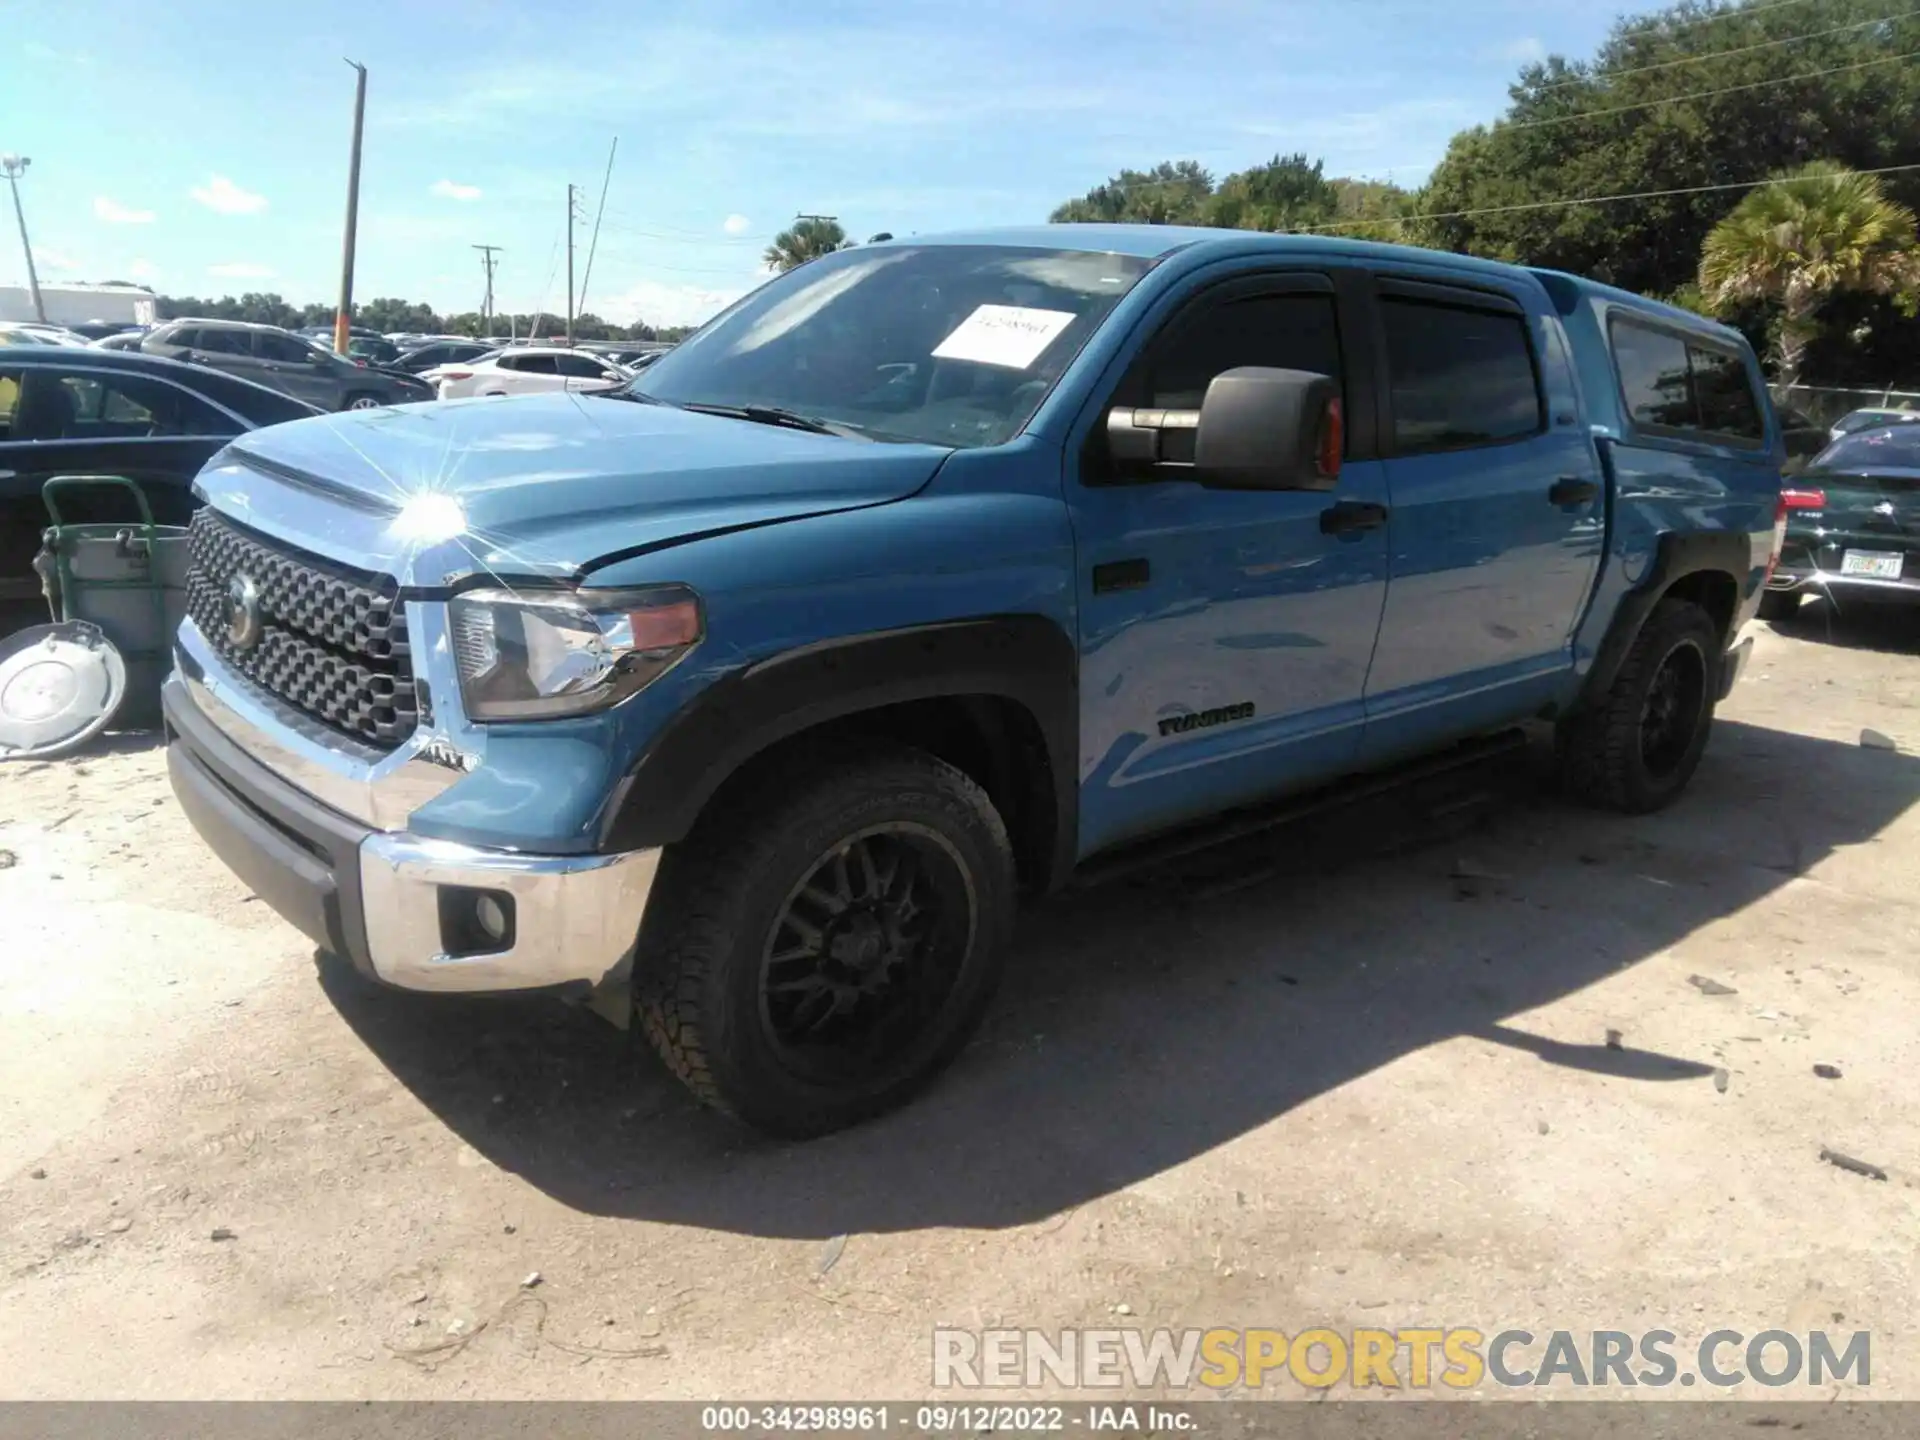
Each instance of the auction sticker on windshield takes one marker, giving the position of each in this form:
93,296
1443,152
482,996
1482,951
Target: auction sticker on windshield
1009,335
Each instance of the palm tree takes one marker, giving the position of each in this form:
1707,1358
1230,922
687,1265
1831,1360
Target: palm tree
808,238
1800,239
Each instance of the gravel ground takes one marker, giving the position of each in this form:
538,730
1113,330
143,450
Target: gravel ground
1337,1083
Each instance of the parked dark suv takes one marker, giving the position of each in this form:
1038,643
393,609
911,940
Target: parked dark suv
281,360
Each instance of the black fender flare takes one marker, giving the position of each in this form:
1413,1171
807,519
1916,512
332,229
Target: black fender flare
1676,555
1027,659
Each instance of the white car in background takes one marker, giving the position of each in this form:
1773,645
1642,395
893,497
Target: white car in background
526,370
33,332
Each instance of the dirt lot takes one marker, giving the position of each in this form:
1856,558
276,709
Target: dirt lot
1370,1091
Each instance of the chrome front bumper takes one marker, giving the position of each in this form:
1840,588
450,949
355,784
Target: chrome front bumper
317,828
575,916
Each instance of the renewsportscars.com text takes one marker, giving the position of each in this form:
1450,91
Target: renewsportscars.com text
1459,1358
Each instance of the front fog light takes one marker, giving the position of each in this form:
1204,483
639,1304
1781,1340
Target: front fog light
492,918
541,654
475,922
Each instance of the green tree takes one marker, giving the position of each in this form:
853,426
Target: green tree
1174,192
1797,242
1287,193
1672,103
805,240
389,314
468,322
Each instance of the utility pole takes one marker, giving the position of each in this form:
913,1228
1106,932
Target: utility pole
487,252
570,219
342,319
15,166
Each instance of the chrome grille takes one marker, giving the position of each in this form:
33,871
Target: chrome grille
331,643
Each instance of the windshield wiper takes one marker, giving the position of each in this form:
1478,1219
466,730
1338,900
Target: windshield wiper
774,415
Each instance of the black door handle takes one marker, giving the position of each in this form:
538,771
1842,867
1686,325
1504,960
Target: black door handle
1351,517
1572,490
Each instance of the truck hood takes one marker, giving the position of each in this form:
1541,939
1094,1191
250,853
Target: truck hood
541,484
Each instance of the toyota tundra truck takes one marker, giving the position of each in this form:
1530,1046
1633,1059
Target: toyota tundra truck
748,700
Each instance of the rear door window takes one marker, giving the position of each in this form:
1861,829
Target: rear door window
530,364
224,342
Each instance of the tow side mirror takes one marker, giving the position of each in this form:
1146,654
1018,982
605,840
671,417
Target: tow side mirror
1256,429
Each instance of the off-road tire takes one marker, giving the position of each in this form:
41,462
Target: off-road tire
1602,759
1777,605
698,975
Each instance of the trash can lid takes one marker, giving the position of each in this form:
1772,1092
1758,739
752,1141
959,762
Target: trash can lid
59,686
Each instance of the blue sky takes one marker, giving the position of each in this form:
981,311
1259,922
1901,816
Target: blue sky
201,145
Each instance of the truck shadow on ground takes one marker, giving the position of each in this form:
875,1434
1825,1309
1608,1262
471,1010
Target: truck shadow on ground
1144,1024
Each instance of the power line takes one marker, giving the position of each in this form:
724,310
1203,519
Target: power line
553,268
1509,125
1176,184
1741,12
1699,94
662,230
1575,200
612,227
594,243
1608,76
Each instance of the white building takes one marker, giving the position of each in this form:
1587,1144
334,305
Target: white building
80,304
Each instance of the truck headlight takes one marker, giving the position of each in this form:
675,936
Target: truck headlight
535,655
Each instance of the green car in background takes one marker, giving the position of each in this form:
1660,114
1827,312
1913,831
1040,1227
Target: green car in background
1853,523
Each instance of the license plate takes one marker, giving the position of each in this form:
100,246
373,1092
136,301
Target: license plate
1877,564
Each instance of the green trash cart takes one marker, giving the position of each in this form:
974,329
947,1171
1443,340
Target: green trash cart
129,579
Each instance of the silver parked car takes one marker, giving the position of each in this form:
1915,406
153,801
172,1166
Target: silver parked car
281,360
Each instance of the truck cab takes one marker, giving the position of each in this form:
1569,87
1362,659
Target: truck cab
749,698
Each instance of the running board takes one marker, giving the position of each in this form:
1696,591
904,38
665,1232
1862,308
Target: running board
1238,824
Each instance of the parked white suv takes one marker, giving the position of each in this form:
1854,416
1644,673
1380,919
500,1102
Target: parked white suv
525,369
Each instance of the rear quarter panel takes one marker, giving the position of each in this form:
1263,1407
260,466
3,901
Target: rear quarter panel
1660,484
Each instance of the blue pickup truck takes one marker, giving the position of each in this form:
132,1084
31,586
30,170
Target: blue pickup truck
748,700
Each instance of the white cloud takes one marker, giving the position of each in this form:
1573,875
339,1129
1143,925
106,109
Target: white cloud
1525,51
114,213
141,269
660,304
221,194
735,224
49,259
448,190
241,270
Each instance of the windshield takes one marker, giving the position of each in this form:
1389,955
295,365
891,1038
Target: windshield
943,344
1893,447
